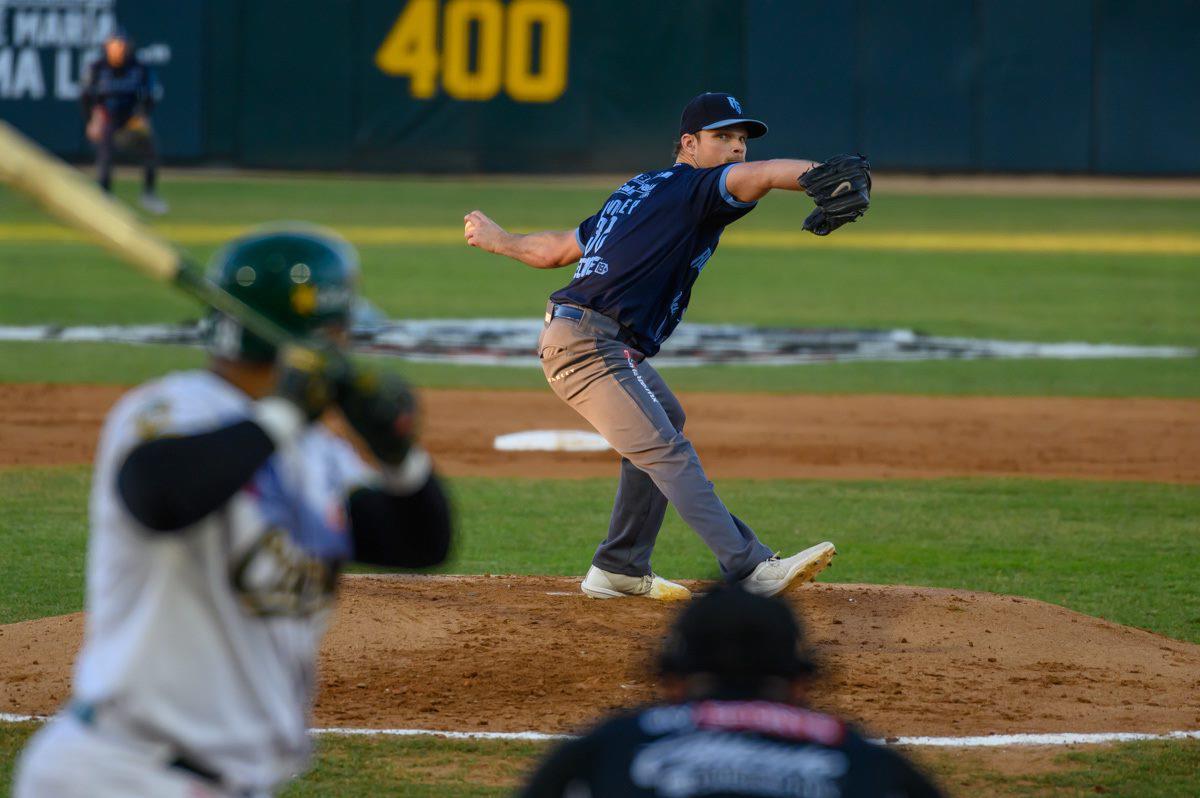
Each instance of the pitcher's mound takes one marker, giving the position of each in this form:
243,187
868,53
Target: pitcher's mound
512,653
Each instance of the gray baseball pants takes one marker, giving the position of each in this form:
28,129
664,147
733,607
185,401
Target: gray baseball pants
624,398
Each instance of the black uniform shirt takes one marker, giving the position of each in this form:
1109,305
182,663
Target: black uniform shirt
647,246
727,748
122,91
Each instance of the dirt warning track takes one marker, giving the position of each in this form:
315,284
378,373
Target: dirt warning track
508,653
754,436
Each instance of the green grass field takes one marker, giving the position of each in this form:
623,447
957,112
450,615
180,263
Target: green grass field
117,364
1091,297
1124,551
1085,545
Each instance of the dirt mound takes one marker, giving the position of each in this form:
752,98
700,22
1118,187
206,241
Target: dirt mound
753,436
508,653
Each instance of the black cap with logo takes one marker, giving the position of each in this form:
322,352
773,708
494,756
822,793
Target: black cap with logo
715,109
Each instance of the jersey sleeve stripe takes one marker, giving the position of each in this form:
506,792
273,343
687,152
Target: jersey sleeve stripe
729,198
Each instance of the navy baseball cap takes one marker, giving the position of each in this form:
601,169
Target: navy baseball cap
715,109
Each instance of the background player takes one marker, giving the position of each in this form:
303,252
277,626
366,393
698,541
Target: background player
118,94
221,513
736,680
638,258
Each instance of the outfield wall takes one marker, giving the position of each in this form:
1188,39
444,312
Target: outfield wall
1082,86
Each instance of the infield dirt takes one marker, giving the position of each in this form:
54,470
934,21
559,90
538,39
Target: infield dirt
505,653
754,436
530,653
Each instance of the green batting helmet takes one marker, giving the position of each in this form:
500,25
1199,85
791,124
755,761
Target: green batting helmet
300,277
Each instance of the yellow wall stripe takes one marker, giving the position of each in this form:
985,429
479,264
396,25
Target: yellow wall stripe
1100,243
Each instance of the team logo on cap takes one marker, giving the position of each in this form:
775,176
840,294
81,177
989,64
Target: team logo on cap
735,105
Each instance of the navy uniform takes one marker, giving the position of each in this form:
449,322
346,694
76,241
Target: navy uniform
118,94
727,748
730,660
647,246
642,253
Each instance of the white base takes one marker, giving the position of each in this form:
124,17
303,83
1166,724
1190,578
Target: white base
551,440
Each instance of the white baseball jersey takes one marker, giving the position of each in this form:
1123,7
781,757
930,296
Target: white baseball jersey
208,637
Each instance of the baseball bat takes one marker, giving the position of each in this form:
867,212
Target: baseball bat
70,197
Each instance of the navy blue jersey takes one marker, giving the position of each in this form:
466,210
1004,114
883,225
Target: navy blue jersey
645,248
727,749
122,91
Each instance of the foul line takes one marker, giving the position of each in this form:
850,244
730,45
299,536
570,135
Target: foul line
1082,242
986,741
1065,738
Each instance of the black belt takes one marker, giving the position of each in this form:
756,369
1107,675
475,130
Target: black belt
567,312
624,334
85,713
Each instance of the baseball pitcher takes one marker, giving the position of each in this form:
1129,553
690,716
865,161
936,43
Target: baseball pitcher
636,261
221,513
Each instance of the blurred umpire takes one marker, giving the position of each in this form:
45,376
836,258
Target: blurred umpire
735,674
118,94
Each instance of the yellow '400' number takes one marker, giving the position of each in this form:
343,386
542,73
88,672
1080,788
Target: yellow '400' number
502,56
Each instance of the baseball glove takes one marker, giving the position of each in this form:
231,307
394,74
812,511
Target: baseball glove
841,188
139,124
135,135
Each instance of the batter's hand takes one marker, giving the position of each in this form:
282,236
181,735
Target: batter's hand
482,232
382,409
302,378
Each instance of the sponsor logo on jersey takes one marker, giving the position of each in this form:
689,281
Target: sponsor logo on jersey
293,556
711,763
591,265
153,419
642,185
758,717
274,576
765,717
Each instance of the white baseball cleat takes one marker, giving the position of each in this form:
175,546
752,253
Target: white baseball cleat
605,585
776,575
153,203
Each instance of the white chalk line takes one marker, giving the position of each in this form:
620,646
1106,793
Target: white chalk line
986,741
1066,738
453,735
